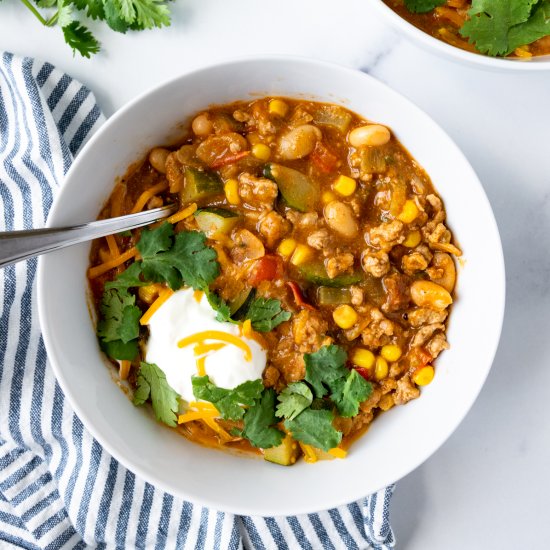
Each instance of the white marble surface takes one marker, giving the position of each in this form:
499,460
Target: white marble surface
487,486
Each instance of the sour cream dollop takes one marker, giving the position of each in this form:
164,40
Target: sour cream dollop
181,316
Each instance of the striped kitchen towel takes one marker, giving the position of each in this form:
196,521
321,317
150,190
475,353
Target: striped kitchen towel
58,487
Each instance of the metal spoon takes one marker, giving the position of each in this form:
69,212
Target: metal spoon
16,246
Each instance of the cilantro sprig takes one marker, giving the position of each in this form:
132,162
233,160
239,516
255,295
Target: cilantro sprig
152,384
307,412
120,15
498,27
118,328
228,402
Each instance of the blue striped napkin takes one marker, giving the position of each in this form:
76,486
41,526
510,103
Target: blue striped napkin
58,487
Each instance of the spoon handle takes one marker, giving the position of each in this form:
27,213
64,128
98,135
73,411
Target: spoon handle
16,246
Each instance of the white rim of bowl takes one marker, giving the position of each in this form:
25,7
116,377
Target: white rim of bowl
431,43
127,463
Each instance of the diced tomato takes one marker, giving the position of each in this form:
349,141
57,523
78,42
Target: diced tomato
229,159
267,268
324,160
419,357
298,296
363,372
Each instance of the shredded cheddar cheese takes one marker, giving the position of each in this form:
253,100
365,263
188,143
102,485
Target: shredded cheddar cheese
146,195
201,370
165,293
202,348
113,246
309,453
211,423
337,452
195,415
100,269
182,214
124,369
248,332
200,337
198,295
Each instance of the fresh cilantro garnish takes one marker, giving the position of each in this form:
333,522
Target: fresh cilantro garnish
266,313
326,373
120,15
151,383
80,39
325,367
498,27
220,306
423,6
118,328
228,402
259,420
314,427
178,260
349,392
128,278
293,400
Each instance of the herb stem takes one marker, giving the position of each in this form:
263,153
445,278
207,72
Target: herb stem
53,19
35,11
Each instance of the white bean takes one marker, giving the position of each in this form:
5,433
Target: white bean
157,158
339,216
202,125
370,135
299,142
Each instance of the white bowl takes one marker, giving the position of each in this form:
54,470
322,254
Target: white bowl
399,440
428,42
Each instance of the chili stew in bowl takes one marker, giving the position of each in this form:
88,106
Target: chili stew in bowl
398,440
302,289
503,28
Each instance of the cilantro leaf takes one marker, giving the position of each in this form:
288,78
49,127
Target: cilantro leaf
314,427
293,400
64,13
128,278
218,304
120,316
324,368
423,6
266,313
228,402
350,392
143,14
184,258
151,383
537,26
113,18
117,349
78,37
259,420
491,21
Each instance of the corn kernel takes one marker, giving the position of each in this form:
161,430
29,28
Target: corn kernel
413,239
286,247
423,376
409,213
278,107
261,151
328,196
344,316
301,254
391,353
381,368
345,186
149,293
363,358
231,189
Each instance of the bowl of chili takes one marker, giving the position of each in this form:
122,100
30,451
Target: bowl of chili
484,35
399,439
